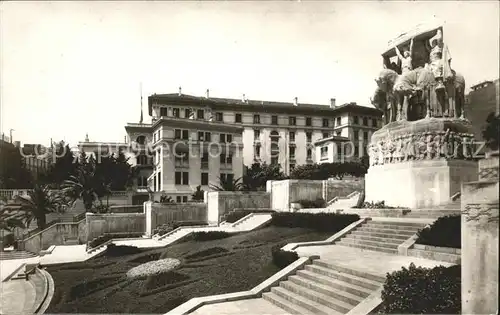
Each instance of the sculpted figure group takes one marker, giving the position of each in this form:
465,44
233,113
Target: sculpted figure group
422,146
422,83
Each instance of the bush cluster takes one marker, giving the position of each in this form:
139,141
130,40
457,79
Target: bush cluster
209,236
240,214
121,250
444,232
324,222
327,170
167,227
307,204
109,236
8,240
418,290
376,205
283,258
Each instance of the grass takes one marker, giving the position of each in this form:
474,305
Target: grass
232,264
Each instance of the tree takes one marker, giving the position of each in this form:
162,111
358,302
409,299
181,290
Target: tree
39,202
491,132
87,185
116,172
65,165
13,172
199,194
257,175
328,170
228,184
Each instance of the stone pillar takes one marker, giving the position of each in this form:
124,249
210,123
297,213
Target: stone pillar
480,246
148,212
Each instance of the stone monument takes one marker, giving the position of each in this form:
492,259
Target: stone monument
424,151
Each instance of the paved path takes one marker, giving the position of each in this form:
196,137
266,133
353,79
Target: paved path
243,307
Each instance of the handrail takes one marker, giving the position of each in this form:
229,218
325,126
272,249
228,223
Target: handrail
37,230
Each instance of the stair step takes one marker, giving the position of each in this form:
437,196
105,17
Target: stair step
384,235
366,242
354,272
359,281
301,301
395,241
286,305
345,296
315,296
393,227
372,248
398,223
387,231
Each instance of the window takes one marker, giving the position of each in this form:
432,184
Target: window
339,121
154,137
274,120
338,133
324,152
182,178
200,114
204,179
159,180
142,181
219,116
356,135
308,136
326,122
256,134
208,136
204,157
187,112
177,133
184,199
237,118
229,138
365,121
339,150
163,111
356,150
222,177
355,120
256,119
292,121
203,136
292,167
309,154
142,160
292,136
229,159
178,199
292,152
374,123
365,136
257,151
176,113
154,183
222,138
222,158
185,134
141,140
325,135
308,121
274,160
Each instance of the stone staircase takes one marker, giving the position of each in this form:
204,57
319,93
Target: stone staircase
16,254
251,222
323,288
382,236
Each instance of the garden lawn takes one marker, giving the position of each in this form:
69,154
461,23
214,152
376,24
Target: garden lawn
236,263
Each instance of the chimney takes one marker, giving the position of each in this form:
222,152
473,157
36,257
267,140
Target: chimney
180,91
296,101
207,94
332,103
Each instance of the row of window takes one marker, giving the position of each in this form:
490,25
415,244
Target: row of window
202,136
291,135
292,120
182,178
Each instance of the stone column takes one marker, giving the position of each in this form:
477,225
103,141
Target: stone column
480,246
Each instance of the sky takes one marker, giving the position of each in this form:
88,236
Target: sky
72,68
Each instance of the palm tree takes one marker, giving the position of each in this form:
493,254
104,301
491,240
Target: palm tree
39,202
228,184
199,194
86,185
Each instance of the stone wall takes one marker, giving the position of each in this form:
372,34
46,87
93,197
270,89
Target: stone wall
342,188
158,214
98,224
222,202
480,247
56,234
126,209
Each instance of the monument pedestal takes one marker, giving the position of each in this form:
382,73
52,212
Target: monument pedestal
420,164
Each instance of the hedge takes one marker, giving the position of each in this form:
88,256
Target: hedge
307,204
121,250
234,216
283,258
444,232
167,227
327,170
419,290
109,236
324,222
209,236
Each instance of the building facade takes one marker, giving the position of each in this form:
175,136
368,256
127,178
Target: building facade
482,100
275,132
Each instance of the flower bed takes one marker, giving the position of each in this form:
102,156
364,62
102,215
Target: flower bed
155,267
444,232
328,222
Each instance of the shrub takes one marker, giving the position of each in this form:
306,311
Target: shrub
209,236
109,236
444,232
306,204
8,240
234,216
376,205
121,250
326,170
418,290
168,227
153,268
324,222
283,258
207,252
